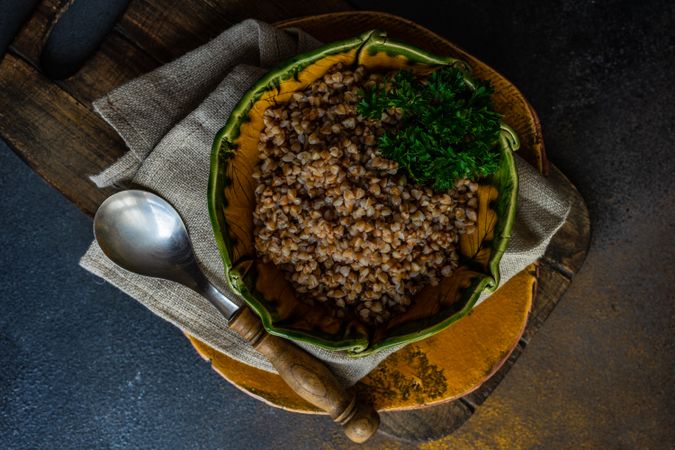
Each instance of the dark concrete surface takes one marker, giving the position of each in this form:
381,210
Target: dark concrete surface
84,366
77,35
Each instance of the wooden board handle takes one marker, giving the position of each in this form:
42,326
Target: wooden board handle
310,378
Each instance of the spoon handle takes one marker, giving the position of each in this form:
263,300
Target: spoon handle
309,378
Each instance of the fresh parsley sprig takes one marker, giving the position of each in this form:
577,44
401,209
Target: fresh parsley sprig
448,130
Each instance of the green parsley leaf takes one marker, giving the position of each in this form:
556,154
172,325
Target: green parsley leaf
448,130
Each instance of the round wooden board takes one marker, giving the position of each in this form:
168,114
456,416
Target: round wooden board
443,367
419,382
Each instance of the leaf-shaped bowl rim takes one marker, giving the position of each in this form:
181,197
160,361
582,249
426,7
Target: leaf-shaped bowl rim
373,42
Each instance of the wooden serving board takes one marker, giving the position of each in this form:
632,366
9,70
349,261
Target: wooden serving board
428,389
51,126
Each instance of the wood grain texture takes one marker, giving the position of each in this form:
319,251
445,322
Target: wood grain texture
309,378
569,246
165,30
59,137
425,424
551,286
155,26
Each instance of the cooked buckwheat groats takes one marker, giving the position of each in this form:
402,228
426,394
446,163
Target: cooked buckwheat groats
337,218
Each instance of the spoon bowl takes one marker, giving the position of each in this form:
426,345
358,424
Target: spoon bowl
142,233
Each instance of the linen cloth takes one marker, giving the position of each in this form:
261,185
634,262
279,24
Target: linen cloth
169,117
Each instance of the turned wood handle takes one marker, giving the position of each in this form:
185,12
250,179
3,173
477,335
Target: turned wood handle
309,377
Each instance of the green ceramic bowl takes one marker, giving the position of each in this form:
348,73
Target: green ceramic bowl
263,287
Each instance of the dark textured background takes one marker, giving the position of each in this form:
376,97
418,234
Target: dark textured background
84,366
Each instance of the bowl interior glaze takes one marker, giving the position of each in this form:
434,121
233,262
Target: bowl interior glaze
263,287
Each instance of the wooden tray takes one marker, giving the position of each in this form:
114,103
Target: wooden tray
430,388
51,126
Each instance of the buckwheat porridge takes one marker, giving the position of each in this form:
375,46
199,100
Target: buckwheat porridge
346,227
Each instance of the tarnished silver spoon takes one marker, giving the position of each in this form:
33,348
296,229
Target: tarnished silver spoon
142,233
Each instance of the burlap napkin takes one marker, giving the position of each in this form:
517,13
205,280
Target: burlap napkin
169,117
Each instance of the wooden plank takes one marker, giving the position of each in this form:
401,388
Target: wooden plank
568,248
275,10
551,285
56,135
477,397
156,27
167,29
166,32
115,63
425,424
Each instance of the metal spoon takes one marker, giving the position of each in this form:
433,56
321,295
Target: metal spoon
143,233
